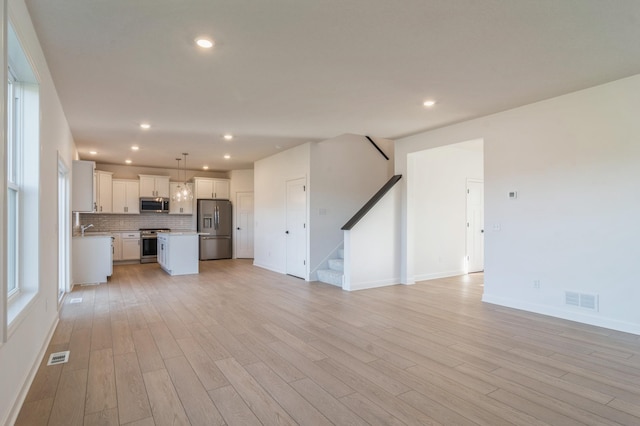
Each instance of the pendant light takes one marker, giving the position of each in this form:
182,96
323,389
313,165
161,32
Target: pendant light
182,192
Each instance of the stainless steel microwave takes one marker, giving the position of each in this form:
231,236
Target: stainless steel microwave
154,205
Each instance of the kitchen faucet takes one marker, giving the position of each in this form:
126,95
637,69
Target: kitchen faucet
84,228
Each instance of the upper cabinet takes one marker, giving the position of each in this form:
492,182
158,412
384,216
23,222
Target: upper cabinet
82,186
103,191
180,207
126,196
154,186
212,188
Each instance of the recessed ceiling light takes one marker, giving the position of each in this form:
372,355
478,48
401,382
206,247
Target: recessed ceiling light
127,161
93,152
228,136
205,167
227,156
135,148
429,103
145,125
204,42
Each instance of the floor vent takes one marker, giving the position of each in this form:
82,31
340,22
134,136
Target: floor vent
581,300
76,300
58,358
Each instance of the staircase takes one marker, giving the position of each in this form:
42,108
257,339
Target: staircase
334,275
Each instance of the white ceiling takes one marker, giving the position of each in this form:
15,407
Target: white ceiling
284,72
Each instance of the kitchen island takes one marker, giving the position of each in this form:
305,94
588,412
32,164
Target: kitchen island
92,255
178,252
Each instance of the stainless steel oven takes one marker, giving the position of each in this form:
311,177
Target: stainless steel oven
149,244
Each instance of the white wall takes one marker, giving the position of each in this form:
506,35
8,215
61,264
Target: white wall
346,171
131,172
270,177
437,180
241,181
574,162
372,246
19,355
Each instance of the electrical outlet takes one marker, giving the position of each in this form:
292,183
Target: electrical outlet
536,283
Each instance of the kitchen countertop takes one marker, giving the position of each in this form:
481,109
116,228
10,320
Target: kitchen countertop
182,232
94,234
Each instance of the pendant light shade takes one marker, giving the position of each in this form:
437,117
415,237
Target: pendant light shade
182,192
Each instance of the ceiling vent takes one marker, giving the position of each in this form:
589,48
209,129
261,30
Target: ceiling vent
581,300
58,358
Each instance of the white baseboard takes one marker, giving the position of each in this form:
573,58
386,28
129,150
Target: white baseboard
22,395
552,311
268,267
436,275
373,284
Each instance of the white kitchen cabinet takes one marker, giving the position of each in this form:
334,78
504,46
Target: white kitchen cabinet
126,196
212,188
154,186
117,246
178,252
103,191
131,249
182,207
92,259
82,186
126,245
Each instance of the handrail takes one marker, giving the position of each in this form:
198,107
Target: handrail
378,148
372,202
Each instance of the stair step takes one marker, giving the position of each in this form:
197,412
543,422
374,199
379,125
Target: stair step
341,253
330,276
336,264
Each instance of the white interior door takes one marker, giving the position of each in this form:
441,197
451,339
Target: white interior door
475,225
296,228
244,225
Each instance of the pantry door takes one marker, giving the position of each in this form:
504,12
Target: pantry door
244,225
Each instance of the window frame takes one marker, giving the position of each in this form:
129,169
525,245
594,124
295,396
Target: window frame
14,178
24,182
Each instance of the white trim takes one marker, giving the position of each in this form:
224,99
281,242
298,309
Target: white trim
580,317
373,284
269,268
437,275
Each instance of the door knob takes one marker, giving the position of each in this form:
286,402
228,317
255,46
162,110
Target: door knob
238,228
286,232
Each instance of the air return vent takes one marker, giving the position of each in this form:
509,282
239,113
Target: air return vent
581,300
58,358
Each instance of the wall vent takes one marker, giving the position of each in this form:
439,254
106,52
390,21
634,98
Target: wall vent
581,300
58,358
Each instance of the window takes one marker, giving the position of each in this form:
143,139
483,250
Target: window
13,184
22,173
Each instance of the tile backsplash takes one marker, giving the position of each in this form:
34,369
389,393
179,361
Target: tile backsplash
133,222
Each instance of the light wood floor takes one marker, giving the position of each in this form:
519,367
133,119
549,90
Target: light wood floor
239,345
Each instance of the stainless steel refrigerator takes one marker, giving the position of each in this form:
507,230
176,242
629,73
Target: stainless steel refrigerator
214,219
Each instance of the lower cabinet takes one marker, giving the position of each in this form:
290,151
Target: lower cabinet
178,253
92,259
126,246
